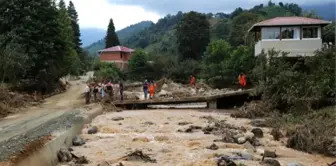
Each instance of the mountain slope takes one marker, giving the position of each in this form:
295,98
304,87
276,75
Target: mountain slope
90,35
123,35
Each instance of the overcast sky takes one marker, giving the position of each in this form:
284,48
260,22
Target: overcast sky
96,13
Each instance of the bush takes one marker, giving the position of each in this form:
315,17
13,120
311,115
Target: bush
222,64
107,71
295,83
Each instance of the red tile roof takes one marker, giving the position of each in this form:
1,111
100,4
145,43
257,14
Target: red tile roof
277,21
116,49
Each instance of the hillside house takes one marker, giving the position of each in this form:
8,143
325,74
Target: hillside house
299,36
117,54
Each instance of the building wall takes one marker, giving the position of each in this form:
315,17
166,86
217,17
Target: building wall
305,47
297,46
119,58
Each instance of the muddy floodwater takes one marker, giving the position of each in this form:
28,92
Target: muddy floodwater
155,133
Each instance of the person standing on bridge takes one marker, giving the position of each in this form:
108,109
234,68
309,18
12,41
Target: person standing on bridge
152,89
192,80
121,89
109,90
145,89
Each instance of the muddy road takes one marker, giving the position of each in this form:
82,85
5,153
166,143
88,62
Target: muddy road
163,136
59,111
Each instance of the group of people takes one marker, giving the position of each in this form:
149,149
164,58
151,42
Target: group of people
149,87
105,87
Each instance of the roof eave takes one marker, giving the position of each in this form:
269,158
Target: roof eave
260,26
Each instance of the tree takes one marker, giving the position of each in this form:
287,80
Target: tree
71,59
39,35
270,3
75,27
111,38
138,66
281,4
193,35
240,26
236,12
328,33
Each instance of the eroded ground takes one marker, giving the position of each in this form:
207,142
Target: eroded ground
155,132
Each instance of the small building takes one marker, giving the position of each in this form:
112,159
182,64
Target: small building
117,54
299,36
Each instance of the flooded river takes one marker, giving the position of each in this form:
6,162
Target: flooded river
155,132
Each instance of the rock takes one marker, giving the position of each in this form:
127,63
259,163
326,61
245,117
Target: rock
238,136
164,86
64,155
259,123
246,155
164,93
183,123
270,162
77,141
117,118
294,164
213,147
241,140
93,130
148,123
249,136
225,161
276,133
257,132
82,160
268,153
248,146
255,142
207,130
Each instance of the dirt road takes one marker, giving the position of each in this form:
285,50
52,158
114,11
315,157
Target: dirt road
154,132
57,111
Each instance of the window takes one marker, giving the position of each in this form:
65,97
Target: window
270,33
310,32
287,33
290,33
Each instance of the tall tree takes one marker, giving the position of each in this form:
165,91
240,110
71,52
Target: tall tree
75,27
111,38
71,59
35,28
193,35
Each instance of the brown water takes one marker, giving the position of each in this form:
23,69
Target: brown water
162,142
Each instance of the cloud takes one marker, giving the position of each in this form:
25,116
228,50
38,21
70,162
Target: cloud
173,6
97,13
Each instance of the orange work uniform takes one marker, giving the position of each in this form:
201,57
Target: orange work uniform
152,90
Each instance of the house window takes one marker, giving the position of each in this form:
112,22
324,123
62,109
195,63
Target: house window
270,33
290,33
310,32
121,55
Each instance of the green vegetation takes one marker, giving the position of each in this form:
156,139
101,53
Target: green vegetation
111,38
40,48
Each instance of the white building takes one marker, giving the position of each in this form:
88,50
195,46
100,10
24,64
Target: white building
299,36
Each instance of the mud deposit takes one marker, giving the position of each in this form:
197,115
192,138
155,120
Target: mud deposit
155,134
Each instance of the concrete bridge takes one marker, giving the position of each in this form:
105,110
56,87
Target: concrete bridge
224,100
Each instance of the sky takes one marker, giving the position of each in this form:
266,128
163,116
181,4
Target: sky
96,13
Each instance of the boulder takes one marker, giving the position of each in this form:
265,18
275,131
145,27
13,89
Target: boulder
225,161
93,130
64,155
117,118
77,141
259,123
213,147
241,140
257,132
249,136
270,162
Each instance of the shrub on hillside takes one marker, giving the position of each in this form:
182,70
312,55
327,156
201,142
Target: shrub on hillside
295,82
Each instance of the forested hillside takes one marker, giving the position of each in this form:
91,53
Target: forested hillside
123,35
160,38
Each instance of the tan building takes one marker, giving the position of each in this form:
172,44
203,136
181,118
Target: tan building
299,36
117,54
